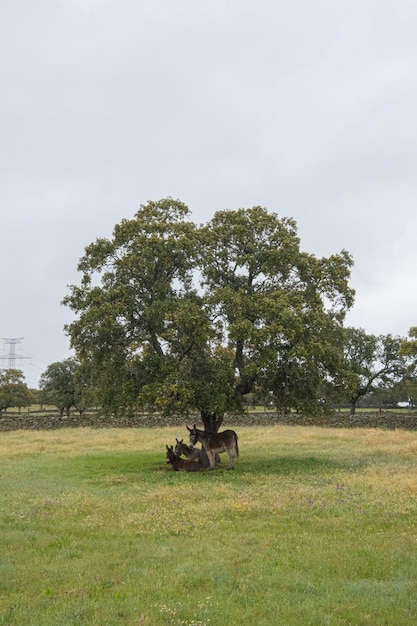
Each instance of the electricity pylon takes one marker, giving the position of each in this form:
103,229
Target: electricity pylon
12,356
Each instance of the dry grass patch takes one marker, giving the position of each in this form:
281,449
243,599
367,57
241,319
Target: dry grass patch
76,441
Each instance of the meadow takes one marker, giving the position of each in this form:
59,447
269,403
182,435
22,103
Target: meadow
315,526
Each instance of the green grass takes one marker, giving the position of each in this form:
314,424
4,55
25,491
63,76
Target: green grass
315,526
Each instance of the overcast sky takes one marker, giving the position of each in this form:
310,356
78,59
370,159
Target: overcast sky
308,108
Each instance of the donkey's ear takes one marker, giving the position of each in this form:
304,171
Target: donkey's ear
176,440
194,427
167,447
188,428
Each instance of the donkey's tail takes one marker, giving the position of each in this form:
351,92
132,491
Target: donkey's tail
237,447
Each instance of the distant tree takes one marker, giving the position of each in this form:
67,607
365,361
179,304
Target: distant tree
408,349
370,362
383,396
13,391
38,396
62,385
404,391
186,317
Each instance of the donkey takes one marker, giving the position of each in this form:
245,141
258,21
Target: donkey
193,454
180,465
213,443
196,454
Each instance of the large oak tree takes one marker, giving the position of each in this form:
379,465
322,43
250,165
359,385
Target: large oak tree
185,316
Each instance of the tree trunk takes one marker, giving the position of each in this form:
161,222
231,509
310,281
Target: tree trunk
211,421
246,382
353,407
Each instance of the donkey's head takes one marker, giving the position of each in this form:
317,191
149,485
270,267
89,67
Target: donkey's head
193,435
170,454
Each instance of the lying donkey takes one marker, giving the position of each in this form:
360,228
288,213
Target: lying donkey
192,454
181,465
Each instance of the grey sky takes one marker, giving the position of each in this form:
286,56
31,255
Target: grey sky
306,108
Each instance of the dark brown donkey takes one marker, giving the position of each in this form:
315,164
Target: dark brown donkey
180,465
213,443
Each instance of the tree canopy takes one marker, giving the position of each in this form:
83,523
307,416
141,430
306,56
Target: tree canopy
369,361
13,390
408,347
185,316
62,384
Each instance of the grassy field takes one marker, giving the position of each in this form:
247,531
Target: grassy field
315,526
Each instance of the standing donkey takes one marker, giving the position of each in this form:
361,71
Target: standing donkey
213,443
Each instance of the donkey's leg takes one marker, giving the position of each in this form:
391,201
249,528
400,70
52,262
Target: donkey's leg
204,460
232,455
211,458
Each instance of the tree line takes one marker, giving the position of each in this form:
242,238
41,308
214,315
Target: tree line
182,316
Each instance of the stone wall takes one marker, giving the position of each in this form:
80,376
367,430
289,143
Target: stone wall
50,421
